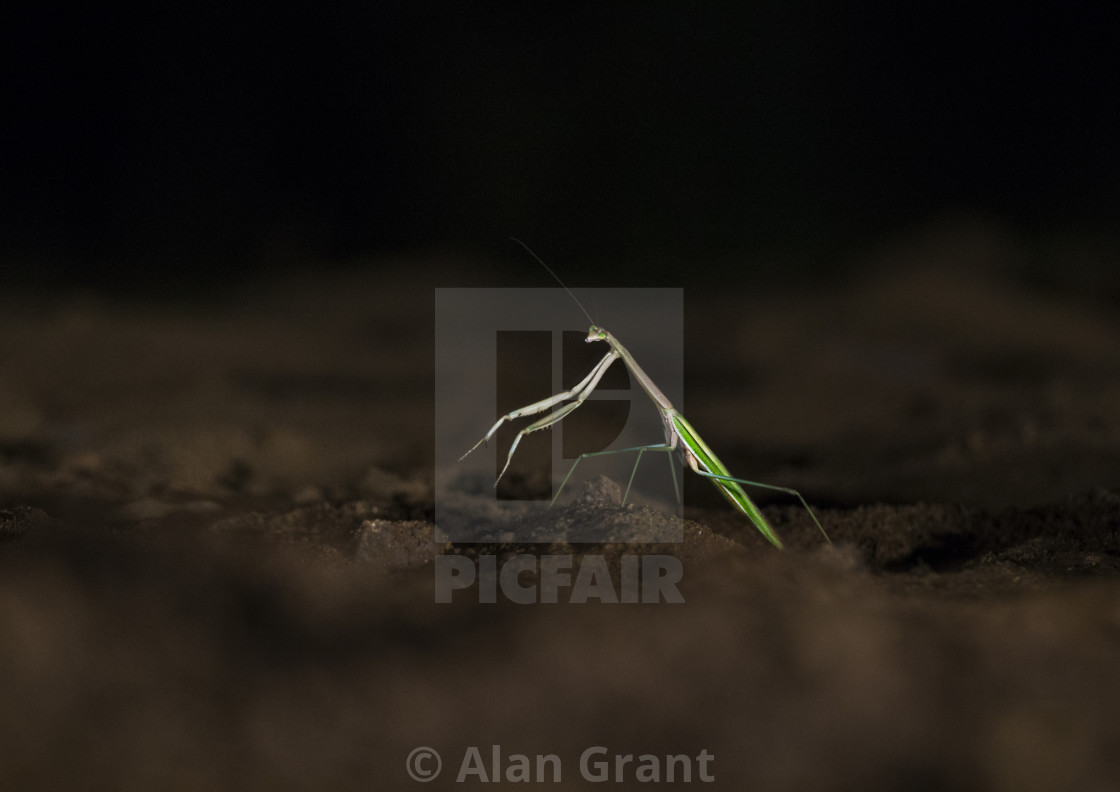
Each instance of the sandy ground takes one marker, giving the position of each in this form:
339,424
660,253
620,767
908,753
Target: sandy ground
216,545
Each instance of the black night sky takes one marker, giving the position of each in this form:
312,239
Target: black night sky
185,143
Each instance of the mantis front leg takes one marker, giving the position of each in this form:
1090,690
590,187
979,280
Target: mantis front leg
580,393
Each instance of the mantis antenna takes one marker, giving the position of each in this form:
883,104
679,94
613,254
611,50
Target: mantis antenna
553,274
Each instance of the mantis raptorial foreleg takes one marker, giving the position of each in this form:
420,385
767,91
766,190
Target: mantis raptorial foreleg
580,393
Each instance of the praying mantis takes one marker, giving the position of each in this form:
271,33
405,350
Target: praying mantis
679,434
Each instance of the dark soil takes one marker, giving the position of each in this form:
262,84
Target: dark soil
216,543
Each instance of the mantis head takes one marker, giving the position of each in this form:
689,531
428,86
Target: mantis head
596,334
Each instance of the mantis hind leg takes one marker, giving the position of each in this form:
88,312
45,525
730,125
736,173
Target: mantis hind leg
641,450
761,485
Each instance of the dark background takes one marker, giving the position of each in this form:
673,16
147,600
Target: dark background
173,147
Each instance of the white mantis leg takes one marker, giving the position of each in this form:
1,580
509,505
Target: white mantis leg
580,393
